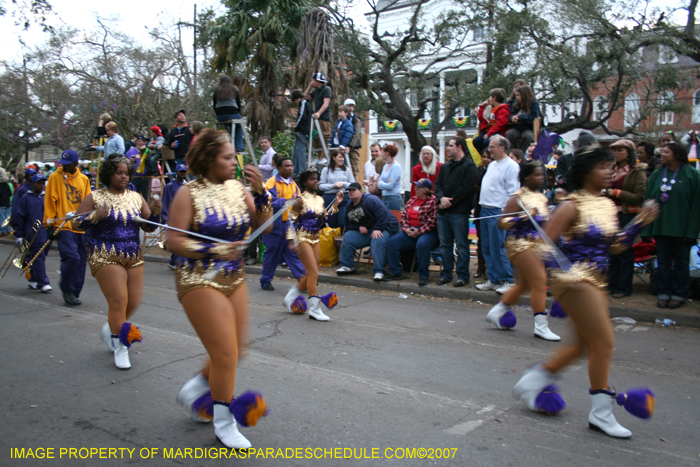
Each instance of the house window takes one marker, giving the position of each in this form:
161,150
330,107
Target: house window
600,108
665,116
631,110
696,107
479,34
666,55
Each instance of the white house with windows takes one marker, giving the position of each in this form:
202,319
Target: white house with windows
395,18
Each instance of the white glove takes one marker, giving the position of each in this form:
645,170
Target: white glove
19,241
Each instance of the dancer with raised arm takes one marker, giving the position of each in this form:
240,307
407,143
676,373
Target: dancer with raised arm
308,216
586,222
522,246
218,307
114,251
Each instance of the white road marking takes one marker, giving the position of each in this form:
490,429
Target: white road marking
464,428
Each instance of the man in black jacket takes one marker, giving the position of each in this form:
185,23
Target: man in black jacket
180,137
562,176
454,192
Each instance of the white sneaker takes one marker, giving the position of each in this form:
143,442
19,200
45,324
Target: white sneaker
106,337
344,270
488,285
378,276
33,285
47,288
505,287
121,354
172,266
542,329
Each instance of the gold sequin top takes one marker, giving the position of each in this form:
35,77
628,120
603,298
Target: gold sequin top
308,222
522,235
220,211
115,239
590,238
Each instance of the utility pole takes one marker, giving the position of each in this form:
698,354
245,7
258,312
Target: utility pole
192,25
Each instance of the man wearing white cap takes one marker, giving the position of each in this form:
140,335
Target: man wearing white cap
321,96
356,141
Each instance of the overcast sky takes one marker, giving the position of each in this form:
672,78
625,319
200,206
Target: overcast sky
134,16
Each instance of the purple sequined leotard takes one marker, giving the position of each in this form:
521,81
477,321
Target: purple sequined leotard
220,211
307,224
587,242
522,235
115,239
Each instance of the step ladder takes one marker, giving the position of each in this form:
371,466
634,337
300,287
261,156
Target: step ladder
246,136
323,142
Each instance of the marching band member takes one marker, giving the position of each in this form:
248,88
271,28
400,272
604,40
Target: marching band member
522,247
218,306
114,249
586,221
65,190
29,211
308,216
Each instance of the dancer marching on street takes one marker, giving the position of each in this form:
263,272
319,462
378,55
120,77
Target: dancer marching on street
217,305
586,222
522,246
65,190
114,251
308,216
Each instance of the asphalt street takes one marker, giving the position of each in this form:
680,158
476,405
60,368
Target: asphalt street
386,377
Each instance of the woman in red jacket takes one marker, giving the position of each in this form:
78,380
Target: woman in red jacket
429,168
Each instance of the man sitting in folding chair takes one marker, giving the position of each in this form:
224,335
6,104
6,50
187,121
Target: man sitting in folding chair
368,223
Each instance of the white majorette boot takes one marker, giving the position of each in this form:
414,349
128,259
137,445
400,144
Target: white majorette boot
128,334
315,311
226,428
195,397
601,417
294,302
106,337
121,354
536,388
542,328
501,317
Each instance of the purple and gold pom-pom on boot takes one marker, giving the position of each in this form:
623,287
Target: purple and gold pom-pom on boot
639,402
122,342
536,388
244,410
195,397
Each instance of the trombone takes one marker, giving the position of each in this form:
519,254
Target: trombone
12,259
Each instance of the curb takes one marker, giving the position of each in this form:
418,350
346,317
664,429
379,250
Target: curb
648,315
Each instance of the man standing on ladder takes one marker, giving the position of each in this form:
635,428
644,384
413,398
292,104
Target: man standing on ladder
356,141
321,96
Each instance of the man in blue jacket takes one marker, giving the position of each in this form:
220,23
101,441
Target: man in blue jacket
23,189
368,222
29,211
342,132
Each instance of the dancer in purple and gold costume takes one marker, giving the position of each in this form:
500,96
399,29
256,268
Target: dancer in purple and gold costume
210,280
522,246
588,227
308,216
114,251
